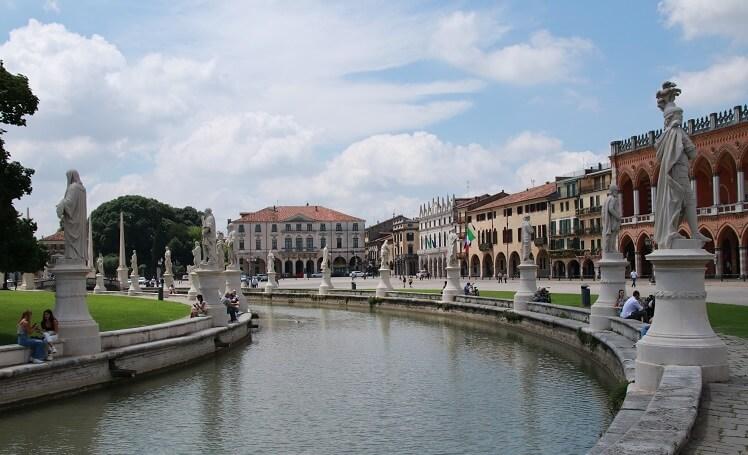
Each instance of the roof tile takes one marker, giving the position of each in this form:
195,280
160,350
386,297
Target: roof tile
286,212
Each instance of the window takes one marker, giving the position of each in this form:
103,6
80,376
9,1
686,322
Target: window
355,226
355,242
287,243
553,208
288,227
409,236
309,227
298,226
258,228
519,210
592,201
581,244
241,228
410,249
507,235
338,227
241,244
553,228
274,228
469,218
322,242
275,243
258,244
310,243
480,217
338,243
322,227
299,243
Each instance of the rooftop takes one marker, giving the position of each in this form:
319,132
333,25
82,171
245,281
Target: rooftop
529,194
58,236
283,213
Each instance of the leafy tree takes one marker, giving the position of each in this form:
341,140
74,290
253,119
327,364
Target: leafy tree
150,226
19,250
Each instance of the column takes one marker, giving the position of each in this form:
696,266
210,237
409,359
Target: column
741,187
653,192
636,202
743,254
693,187
638,262
715,190
717,263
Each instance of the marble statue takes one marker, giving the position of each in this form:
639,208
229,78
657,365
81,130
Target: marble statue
233,260
220,252
167,260
675,201
271,262
72,211
209,237
384,253
454,249
134,262
526,239
197,255
100,264
325,259
611,218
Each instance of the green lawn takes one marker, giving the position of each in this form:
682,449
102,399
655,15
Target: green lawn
111,312
726,319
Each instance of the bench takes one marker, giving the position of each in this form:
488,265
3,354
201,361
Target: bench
15,354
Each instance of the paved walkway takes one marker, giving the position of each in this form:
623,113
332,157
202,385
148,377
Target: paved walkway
722,425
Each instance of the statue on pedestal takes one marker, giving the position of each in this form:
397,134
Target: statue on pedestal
72,211
384,253
209,238
233,260
134,262
611,220
271,262
675,201
453,241
100,264
197,255
325,259
167,260
220,252
526,239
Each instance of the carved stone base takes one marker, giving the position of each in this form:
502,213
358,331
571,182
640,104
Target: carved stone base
453,287
680,333
326,284
168,280
384,282
122,277
612,279
134,288
234,281
271,284
27,283
212,285
528,284
77,328
99,288
192,293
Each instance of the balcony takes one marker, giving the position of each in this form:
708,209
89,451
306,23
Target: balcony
567,233
540,241
595,230
595,210
485,246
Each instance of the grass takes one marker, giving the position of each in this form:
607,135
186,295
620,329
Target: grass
725,318
111,312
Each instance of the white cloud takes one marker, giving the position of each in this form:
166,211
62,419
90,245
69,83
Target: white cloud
460,39
716,86
51,6
698,18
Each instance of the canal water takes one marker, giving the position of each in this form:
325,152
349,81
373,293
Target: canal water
319,381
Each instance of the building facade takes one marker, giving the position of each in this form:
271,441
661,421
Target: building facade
55,243
296,236
405,251
374,238
436,220
497,226
718,179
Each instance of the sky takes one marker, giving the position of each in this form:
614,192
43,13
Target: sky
368,107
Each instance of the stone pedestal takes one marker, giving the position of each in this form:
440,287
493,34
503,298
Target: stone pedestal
528,284
612,279
194,285
384,282
453,287
77,329
99,288
271,284
681,333
234,281
326,284
212,285
168,280
27,283
122,277
134,284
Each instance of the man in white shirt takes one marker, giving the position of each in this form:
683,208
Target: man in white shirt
634,276
632,309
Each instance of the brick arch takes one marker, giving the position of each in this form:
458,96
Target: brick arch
640,238
728,149
704,227
744,236
643,172
722,231
624,174
742,154
701,158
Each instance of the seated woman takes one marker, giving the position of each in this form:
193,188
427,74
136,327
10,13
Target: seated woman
199,308
24,329
49,330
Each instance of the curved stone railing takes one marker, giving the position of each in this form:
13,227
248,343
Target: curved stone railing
136,335
646,423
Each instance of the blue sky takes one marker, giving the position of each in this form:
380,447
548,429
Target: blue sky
369,108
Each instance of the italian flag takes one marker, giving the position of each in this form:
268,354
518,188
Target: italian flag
469,236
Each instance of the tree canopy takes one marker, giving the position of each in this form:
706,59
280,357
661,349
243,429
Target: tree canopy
150,226
19,249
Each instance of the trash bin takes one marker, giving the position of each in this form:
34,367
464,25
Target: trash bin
353,285
586,296
161,293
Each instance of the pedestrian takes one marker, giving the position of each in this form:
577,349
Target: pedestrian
410,281
633,276
633,309
445,285
500,276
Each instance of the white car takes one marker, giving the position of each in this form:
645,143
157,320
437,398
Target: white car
357,274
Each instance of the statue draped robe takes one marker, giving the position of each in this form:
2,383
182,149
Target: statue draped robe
72,211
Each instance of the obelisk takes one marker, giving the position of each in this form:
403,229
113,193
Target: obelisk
122,268
89,253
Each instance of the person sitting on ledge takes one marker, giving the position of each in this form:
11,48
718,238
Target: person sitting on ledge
230,308
49,327
24,330
633,309
467,288
199,308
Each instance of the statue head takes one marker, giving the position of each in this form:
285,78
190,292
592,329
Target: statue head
72,176
527,218
613,190
667,94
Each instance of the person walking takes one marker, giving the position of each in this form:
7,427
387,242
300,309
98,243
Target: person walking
633,276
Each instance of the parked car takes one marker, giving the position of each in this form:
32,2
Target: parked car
357,274
316,275
262,277
185,277
422,274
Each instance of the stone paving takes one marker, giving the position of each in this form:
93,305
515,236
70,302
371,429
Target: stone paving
722,425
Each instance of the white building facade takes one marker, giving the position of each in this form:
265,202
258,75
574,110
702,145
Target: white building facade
437,219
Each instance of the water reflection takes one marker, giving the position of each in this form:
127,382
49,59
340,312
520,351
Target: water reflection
329,381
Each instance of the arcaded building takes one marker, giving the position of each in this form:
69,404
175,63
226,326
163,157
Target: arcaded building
296,235
718,178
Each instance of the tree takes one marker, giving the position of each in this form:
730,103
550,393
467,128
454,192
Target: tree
150,226
19,249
